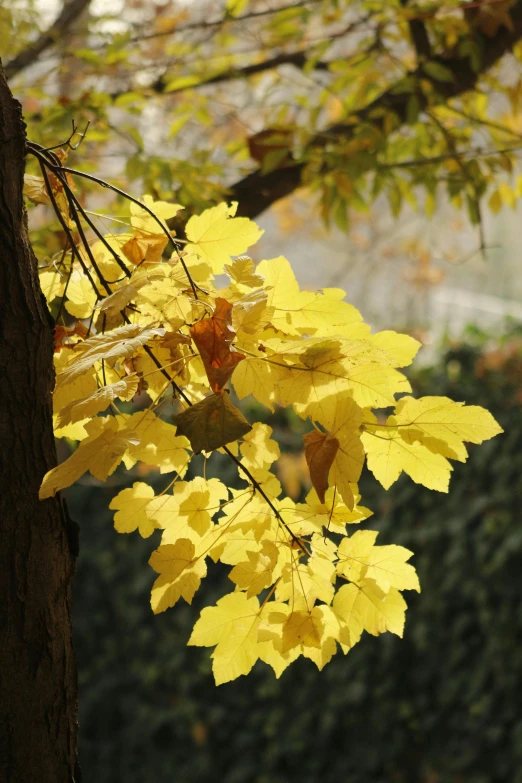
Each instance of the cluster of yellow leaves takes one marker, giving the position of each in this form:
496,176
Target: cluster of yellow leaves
302,585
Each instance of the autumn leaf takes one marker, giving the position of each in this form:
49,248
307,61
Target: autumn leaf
320,451
211,423
180,572
118,343
144,247
216,234
35,189
213,338
101,453
131,510
145,223
89,406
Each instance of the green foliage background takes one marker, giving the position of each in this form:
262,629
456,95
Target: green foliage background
439,706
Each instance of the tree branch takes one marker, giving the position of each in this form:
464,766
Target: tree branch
419,37
298,59
258,191
69,14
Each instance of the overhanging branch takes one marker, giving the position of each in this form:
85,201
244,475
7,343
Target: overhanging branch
69,14
258,191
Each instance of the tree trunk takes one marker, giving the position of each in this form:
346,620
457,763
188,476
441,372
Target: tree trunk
38,542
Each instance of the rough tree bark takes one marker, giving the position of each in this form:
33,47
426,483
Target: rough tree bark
38,542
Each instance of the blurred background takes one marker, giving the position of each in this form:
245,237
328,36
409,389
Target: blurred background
414,212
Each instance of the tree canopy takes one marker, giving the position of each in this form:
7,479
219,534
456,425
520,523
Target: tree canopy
251,100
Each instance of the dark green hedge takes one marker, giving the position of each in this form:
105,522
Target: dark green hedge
440,706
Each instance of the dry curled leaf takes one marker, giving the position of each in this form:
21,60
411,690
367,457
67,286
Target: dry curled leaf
320,451
211,423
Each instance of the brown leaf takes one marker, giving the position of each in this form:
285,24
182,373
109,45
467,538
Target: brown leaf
61,333
320,451
213,337
211,423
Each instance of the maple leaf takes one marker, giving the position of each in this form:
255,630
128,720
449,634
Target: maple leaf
365,606
387,567
354,552
304,628
302,312
131,505
241,271
190,509
258,449
144,248
256,573
180,572
216,234
333,514
212,423
52,284
100,453
213,338
443,425
118,343
159,443
251,313
388,455
343,418
231,625
145,223
81,297
96,402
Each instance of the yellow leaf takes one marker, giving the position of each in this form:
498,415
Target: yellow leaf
256,573
399,349
236,7
333,514
265,479
52,284
100,453
331,634
87,407
258,449
144,248
303,583
118,343
251,314
343,417
366,606
442,425
257,377
81,297
304,312
163,301
388,455
387,567
212,423
180,572
304,628
231,625
144,222
215,235
131,505
354,553
194,503
241,272
159,444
